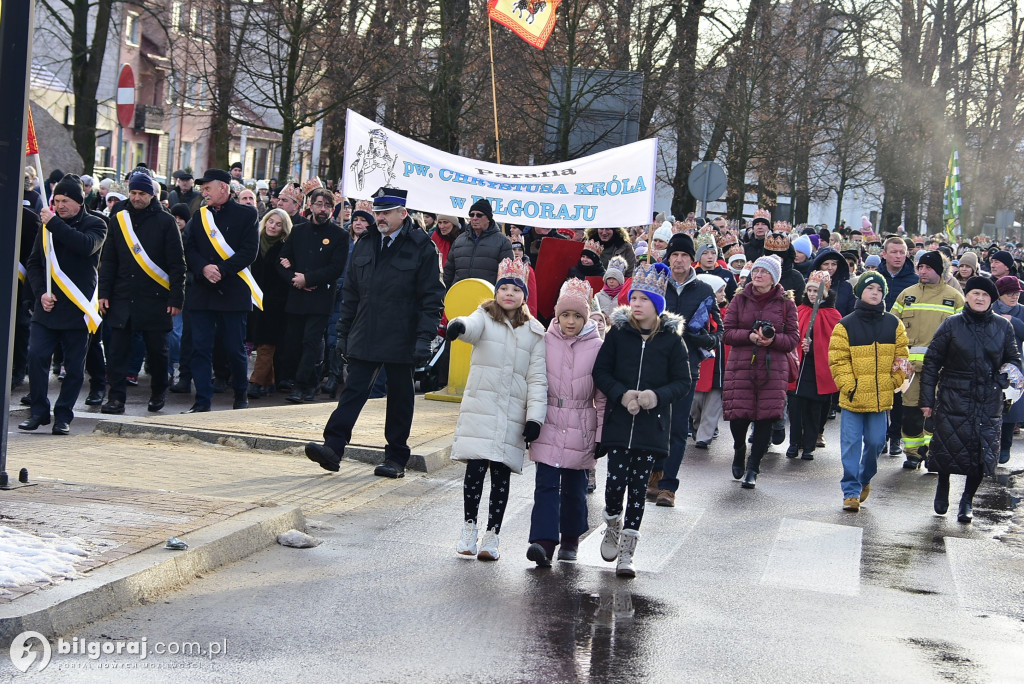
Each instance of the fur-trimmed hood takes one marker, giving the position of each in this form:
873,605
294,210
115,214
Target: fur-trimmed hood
843,267
670,322
621,235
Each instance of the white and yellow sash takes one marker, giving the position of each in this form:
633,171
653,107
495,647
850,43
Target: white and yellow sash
21,272
225,252
90,306
141,258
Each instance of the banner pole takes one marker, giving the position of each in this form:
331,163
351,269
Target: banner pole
494,93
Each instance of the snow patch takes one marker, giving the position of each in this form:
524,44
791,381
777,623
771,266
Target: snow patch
297,539
27,558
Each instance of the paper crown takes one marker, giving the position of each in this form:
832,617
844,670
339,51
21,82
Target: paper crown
783,227
737,248
574,287
726,240
763,214
776,242
618,263
688,226
651,278
513,270
820,278
705,240
593,246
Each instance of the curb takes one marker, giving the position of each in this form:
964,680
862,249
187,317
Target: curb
142,576
427,458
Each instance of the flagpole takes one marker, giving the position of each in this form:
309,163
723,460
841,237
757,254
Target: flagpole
494,92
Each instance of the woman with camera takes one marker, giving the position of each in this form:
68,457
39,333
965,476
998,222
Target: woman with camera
761,327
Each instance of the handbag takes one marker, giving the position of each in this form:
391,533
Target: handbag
794,365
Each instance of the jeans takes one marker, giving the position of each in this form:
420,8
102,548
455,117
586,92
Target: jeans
559,503
42,343
231,326
174,344
677,442
862,437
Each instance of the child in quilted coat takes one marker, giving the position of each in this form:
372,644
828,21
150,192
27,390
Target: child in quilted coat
564,452
504,403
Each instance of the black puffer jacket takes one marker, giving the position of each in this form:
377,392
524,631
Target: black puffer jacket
963,358
845,299
791,278
473,257
626,362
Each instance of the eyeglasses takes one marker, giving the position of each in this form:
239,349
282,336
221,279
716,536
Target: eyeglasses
321,205
476,214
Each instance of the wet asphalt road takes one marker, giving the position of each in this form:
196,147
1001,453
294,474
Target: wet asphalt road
774,584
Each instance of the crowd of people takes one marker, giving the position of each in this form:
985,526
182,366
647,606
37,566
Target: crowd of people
657,334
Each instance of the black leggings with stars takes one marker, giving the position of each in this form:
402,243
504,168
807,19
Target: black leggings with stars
473,487
628,469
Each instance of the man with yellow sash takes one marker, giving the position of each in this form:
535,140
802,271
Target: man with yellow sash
221,241
142,285
65,307
922,308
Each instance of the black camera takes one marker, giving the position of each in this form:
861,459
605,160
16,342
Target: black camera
766,327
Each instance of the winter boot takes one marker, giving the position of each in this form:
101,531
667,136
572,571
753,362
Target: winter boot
610,543
466,546
627,547
652,485
914,459
941,504
739,458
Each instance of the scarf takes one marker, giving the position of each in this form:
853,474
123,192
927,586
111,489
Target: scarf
612,292
266,242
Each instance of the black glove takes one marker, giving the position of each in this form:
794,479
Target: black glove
421,354
703,339
340,351
455,328
531,432
600,451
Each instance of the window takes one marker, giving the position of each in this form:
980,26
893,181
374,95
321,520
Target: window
178,23
131,29
186,155
172,85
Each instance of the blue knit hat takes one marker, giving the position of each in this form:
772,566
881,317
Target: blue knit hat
651,279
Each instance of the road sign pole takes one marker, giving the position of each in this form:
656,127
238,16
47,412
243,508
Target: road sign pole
704,196
120,147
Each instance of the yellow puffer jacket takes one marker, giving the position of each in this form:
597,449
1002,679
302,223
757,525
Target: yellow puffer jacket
861,352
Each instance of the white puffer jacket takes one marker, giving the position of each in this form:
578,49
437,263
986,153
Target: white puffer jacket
507,386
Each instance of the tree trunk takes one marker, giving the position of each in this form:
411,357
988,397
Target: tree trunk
686,142
446,93
86,64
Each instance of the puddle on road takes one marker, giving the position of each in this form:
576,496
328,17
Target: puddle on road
948,659
602,636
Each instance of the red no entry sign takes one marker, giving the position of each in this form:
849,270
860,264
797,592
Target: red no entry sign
126,96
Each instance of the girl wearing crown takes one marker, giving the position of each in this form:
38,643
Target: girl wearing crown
565,450
504,404
810,397
642,368
589,263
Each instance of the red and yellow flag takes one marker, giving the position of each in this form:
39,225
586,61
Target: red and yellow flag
31,144
531,20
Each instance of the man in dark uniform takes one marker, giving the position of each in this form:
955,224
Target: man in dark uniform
393,296
312,260
142,285
67,314
221,241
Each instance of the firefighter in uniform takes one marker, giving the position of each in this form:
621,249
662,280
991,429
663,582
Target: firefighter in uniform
922,308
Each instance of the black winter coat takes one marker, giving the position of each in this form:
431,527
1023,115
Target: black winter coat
392,299
77,243
627,362
318,251
472,257
30,225
133,295
845,299
963,360
791,279
684,303
237,223
269,325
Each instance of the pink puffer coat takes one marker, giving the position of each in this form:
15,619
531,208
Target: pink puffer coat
757,390
575,406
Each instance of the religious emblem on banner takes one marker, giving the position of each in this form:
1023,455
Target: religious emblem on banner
375,161
531,20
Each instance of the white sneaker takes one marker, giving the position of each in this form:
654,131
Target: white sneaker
466,545
610,543
489,547
627,547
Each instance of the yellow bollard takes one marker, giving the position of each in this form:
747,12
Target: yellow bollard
462,299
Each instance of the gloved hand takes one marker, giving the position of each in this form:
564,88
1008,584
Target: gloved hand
702,339
629,397
531,432
455,328
600,451
421,354
647,399
340,352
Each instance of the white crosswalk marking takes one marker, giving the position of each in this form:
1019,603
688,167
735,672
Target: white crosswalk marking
662,532
814,556
987,576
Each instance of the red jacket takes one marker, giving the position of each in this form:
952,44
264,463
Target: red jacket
711,369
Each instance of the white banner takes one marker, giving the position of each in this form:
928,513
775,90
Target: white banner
608,189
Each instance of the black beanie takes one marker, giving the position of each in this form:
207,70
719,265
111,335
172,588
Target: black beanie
482,205
982,283
180,210
932,260
1004,257
680,242
70,186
